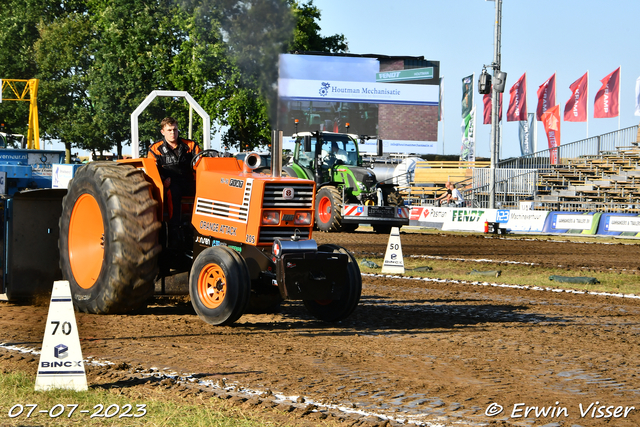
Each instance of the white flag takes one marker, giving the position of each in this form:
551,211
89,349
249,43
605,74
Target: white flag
638,97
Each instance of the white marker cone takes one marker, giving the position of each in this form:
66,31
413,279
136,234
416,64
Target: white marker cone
61,364
393,260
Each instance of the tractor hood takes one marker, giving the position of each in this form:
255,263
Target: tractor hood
364,175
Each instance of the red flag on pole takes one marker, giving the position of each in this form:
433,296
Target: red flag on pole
518,101
551,122
575,110
486,112
546,96
486,100
606,102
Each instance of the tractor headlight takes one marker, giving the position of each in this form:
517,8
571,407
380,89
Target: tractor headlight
302,218
270,218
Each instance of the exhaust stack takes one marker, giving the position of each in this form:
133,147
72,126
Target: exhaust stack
252,161
276,153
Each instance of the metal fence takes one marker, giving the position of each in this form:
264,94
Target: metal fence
586,147
516,178
521,181
512,185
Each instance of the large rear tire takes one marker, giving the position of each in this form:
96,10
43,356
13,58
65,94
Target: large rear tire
219,285
109,238
339,309
328,209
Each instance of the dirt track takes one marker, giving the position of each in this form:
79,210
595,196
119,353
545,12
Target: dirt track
427,351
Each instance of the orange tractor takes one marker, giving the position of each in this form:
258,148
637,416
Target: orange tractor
247,236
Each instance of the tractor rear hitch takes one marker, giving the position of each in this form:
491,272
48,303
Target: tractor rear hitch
303,272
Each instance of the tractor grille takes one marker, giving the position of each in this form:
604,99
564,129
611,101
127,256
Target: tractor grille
269,234
302,196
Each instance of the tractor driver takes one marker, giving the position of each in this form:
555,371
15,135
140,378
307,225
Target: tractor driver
173,157
336,155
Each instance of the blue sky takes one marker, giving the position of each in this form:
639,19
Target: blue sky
538,37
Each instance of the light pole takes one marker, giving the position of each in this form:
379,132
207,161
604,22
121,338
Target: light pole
498,87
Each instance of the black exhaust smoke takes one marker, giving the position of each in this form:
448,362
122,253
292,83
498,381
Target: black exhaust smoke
256,32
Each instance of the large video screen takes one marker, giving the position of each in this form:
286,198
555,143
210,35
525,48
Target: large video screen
388,98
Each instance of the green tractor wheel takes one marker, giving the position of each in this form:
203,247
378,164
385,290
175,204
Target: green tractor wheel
328,209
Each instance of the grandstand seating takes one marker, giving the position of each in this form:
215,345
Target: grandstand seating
598,174
608,182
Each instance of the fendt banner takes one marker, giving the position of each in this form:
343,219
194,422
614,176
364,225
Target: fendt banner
390,98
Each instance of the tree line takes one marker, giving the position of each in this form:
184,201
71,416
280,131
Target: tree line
98,59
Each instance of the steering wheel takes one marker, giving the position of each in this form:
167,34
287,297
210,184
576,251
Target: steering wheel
203,153
329,158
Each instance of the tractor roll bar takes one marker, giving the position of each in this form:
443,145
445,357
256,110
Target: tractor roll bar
206,121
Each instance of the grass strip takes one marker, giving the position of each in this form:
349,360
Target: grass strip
513,274
112,407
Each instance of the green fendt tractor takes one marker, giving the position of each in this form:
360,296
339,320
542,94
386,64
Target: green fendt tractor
348,193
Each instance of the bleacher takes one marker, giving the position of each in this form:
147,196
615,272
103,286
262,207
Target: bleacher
430,178
598,174
607,182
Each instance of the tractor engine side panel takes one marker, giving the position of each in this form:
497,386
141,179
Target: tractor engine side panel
230,203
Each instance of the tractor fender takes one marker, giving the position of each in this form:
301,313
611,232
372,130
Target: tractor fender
152,175
289,171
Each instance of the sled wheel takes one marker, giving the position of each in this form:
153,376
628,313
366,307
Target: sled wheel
382,229
339,309
328,209
219,285
109,238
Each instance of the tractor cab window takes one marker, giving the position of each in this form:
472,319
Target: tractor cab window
339,152
305,158
334,150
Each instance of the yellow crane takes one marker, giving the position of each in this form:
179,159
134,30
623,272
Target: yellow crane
24,90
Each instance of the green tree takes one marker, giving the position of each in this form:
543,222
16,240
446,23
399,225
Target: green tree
126,49
133,53
98,59
306,36
64,61
19,32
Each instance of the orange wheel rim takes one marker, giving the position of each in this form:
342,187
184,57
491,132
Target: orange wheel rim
324,209
212,286
86,241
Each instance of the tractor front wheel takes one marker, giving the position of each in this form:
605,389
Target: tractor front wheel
339,309
109,238
328,209
219,285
